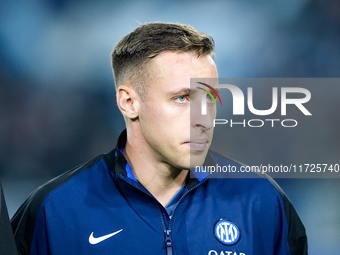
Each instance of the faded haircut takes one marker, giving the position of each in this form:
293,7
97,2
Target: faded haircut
131,55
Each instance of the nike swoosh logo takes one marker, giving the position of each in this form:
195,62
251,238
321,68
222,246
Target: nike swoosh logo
95,240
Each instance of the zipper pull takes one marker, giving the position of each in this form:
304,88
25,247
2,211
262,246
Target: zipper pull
168,242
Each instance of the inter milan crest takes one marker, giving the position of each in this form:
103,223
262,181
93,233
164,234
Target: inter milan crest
227,232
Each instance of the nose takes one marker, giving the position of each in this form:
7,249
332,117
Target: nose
202,114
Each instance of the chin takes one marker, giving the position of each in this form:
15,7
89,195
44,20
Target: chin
197,160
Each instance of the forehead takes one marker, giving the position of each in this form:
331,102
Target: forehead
182,66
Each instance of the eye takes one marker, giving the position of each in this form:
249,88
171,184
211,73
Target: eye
182,99
210,99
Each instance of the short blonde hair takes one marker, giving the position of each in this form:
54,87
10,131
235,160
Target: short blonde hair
131,55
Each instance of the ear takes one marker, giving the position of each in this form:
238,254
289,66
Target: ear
128,101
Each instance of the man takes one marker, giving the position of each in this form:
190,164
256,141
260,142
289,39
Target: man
139,198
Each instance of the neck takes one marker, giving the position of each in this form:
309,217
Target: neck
159,178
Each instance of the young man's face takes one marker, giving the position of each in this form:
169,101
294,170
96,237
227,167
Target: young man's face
173,134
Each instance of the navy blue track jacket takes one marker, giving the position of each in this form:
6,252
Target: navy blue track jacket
100,208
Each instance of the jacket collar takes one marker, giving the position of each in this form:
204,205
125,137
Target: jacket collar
119,165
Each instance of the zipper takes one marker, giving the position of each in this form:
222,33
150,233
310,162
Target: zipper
167,230
168,242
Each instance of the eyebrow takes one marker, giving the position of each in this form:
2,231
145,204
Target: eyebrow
180,91
187,91
210,88
217,90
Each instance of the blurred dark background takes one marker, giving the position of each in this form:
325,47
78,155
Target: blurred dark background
57,98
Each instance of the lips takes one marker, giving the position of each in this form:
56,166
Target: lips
198,145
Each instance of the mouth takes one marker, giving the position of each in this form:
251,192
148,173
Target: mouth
197,145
